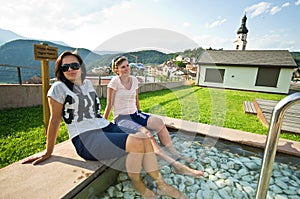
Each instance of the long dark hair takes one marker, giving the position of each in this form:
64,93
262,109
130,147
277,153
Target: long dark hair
59,73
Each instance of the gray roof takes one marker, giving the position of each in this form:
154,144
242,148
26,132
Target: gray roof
279,58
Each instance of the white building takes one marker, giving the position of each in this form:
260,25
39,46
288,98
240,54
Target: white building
256,70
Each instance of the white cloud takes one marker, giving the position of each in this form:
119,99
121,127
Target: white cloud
215,42
265,7
217,23
91,23
186,24
273,40
78,24
43,18
277,9
258,9
286,4
274,10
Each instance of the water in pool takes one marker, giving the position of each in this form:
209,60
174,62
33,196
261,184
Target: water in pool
231,171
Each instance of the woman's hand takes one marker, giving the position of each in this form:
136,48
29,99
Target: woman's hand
52,131
35,159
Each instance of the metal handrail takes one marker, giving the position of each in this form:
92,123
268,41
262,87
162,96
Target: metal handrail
272,142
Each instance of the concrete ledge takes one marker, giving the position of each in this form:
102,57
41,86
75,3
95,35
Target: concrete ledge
64,174
246,138
15,96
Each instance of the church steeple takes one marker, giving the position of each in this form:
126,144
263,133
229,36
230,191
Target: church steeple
243,29
241,41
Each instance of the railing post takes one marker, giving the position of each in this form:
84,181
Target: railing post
19,75
272,142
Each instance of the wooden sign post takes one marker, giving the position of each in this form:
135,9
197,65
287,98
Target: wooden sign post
44,53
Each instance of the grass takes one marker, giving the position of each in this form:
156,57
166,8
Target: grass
22,134
22,130
218,107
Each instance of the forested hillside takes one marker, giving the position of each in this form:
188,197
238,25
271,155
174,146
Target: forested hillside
296,56
145,57
20,53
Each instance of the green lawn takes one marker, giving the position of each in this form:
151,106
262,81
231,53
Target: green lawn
213,106
22,132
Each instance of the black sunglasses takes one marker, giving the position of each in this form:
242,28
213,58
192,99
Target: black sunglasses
65,67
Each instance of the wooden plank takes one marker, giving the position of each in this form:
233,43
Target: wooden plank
260,114
288,112
295,108
291,117
287,122
287,117
249,107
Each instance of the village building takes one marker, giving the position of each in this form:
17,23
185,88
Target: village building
255,70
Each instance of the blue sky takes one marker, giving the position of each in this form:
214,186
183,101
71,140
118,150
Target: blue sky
93,23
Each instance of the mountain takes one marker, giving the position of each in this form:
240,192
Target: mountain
7,35
107,52
21,53
59,42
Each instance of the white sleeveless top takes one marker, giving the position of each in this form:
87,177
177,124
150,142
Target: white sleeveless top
124,101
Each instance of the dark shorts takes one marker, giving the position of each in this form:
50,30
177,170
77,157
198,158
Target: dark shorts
101,144
133,121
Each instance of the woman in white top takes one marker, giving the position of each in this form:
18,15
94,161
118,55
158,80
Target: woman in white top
122,97
74,99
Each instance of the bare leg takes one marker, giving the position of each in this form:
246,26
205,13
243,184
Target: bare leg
136,150
151,167
179,168
157,124
164,189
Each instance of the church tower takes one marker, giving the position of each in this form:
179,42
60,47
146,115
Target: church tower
241,41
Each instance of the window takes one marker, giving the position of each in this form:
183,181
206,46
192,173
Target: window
214,75
267,76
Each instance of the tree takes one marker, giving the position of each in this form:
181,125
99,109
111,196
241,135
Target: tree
180,64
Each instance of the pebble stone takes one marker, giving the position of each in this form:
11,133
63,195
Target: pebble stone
228,175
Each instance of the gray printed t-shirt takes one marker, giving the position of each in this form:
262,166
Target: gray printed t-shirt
81,107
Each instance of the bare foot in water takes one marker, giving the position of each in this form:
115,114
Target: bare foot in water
149,195
186,159
173,151
185,170
167,190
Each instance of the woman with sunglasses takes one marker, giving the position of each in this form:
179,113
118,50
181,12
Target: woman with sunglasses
74,99
122,97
